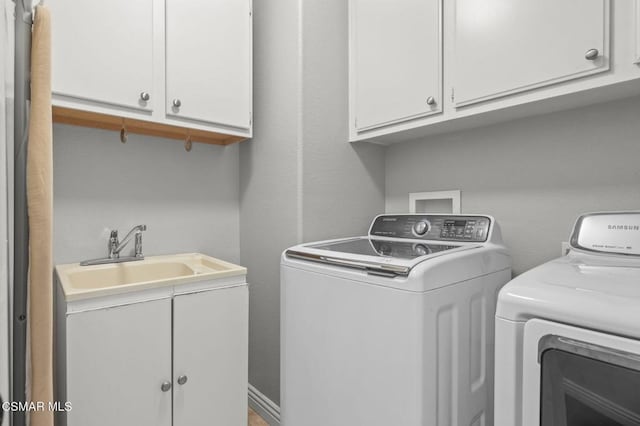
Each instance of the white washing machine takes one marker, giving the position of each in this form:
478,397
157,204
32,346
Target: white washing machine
568,332
394,328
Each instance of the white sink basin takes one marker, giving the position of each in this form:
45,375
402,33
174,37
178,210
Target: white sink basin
79,282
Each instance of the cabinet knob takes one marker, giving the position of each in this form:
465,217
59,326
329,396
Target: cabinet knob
182,379
431,100
165,387
144,96
591,54
176,103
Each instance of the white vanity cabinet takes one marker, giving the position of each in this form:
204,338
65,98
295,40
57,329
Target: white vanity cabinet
504,47
163,66
161,357
395,61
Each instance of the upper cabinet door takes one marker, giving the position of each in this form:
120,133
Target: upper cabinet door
508,46
210,344
209,61
395,61
102,51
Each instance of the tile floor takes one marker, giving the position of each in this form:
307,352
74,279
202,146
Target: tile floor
255,419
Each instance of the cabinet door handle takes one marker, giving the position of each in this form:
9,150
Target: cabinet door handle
176,103
431,100
591,54
144,96
165,387
182,379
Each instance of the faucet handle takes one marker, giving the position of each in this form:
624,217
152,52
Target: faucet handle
138,247
113,244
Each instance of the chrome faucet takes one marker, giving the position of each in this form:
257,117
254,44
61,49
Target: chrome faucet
116,246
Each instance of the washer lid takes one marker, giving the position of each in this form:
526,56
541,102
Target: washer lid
599,292
379,247
381,256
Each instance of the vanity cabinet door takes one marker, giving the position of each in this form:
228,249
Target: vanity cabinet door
117,361
210,343
209,60
102,52
504,47
394,61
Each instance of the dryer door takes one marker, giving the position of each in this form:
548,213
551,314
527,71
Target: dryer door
574,377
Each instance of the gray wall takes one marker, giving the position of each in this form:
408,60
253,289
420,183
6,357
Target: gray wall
343,184
269,182
535,175
300,180
188,200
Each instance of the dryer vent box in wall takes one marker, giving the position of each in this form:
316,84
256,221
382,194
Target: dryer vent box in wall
435,202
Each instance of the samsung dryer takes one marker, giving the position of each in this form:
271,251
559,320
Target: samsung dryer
568,332
393,328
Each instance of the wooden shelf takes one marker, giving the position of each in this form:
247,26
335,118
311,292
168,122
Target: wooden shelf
76,117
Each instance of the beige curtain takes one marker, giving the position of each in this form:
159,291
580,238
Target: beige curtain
40,208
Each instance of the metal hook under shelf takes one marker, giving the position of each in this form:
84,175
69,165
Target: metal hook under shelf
188,144
123,133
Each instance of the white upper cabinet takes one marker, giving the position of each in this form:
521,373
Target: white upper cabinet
209,60
102,52
395,61
484,62
508,46
174,68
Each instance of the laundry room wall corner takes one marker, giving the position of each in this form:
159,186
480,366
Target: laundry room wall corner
300,179
343,182
269,182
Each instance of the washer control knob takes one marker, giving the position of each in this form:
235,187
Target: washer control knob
421,250
421,227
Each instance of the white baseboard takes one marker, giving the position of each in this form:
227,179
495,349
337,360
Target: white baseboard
262,405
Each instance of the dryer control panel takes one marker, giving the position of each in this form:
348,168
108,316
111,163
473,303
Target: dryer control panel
432,227
608,232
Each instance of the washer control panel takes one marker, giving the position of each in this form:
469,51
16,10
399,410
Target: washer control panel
432,227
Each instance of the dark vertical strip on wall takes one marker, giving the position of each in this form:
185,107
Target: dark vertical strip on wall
21,228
